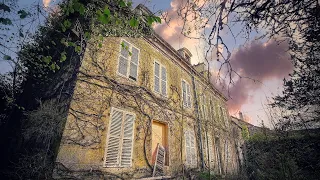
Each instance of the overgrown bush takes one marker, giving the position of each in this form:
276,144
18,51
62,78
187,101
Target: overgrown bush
285,158
41,129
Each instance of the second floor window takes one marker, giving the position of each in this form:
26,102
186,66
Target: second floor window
203,107
186,95
160,79
128,61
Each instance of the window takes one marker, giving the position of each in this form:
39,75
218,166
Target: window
226,155
225,115
128,61
191,156
212,110
186,94
160,79
210,144
203,107
217,149
221,114
118,151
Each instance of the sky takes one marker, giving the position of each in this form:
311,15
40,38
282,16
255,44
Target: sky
265,61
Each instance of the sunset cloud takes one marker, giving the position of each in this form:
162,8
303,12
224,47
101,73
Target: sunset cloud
261,62
46,3
172,30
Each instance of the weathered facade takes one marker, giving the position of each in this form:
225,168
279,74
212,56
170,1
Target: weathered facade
133,94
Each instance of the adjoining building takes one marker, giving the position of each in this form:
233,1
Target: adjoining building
139,103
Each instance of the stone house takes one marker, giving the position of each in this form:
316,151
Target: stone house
136,96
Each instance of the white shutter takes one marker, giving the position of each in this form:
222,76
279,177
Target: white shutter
226,154
157,77
113,146
189,95
188,100
127,141
211,158
134,64
221,114
120,139
188,148
184,93
193,149
158,169
163,81
204,143
205,113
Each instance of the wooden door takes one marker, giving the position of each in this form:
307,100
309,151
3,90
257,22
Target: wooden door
159,135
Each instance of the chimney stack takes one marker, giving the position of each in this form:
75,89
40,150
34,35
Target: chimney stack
240,115
186,54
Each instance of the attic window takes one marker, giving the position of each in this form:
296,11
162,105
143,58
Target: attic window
187,57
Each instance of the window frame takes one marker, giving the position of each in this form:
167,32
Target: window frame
160,78
127,76
191,133
221,115
183,103
124,111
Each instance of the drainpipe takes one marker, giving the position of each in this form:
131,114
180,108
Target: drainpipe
199,123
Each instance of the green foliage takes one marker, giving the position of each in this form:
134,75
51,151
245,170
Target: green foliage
4,7
6,57
63,56
5,21
207,176
258,136
23,14
122,3
245,132
134,22
47,59
285,158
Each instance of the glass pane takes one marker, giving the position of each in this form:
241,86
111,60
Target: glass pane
125,49
156,84
163,88
157,69
123,64
133,71
163,74
135,55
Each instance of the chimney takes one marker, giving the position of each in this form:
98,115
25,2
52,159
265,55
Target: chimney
240,115
200,67
186,54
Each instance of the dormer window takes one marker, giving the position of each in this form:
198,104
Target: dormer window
186,54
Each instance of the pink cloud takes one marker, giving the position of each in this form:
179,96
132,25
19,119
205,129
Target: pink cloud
46,3
261,62
174,26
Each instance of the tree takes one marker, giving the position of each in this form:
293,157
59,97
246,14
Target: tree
294,22
46,67
302,91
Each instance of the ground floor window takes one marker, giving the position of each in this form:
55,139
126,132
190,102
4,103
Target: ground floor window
118,152
191,155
